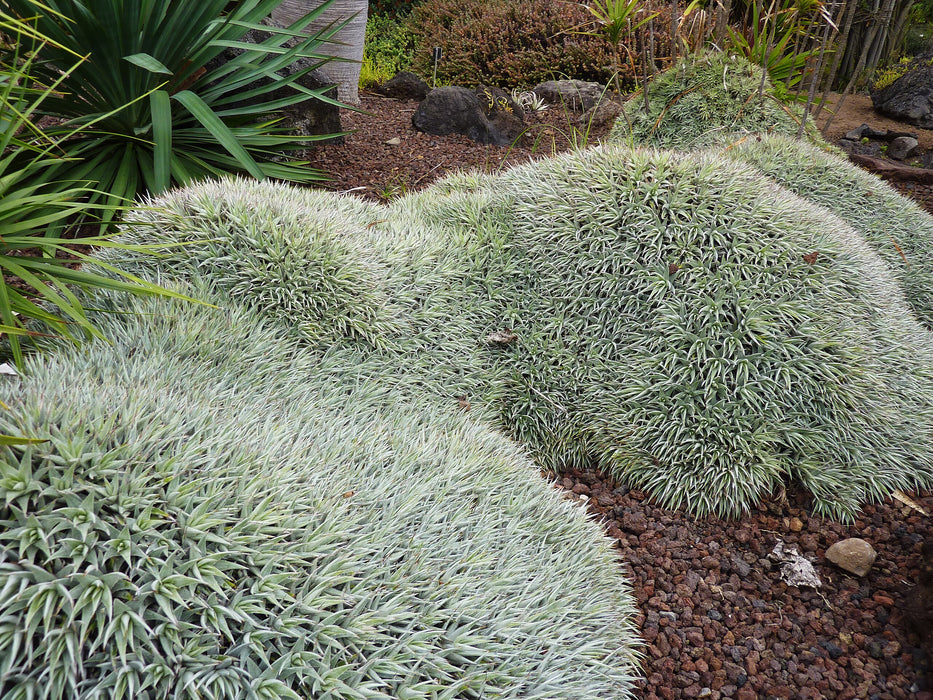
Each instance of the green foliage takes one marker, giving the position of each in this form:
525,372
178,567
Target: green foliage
709,98
389,49
36,207
618,19
391,8
771,39
218,513
507,44
149,108
889,74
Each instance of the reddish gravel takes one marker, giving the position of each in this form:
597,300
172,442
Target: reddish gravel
718,620
372,168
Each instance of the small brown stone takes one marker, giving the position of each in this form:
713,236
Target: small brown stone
854,555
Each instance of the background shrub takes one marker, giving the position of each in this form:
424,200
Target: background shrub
391,8
507,44
706,98
389,48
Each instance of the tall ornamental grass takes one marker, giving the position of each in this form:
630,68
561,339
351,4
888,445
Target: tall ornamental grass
216,512
678,320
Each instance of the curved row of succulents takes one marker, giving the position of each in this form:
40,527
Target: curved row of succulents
303,491
675,319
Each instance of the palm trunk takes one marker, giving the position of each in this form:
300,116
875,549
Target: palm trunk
347,44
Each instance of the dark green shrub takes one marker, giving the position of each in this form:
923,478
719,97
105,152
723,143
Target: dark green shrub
391,8
508,44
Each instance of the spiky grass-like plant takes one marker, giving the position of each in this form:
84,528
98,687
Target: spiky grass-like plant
706,98
895,226
216,513
679,320
698,330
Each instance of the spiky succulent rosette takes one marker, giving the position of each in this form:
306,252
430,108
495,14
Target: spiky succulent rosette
895,226
216,512
712,97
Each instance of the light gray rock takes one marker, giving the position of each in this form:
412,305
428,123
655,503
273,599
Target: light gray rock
577,95
857,133
903,147
854,555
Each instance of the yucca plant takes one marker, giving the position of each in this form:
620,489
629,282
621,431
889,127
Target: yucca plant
617,20
771,41
151,107
37,264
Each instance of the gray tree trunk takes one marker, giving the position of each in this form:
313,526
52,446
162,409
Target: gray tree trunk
344,73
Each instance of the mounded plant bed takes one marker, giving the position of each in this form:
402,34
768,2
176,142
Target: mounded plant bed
307,490
712,97
677,320
216,512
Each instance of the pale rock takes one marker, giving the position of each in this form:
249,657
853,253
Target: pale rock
795,569
854,555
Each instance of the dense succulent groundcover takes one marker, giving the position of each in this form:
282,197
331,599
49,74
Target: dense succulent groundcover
217,513
676,319
707,98
304,490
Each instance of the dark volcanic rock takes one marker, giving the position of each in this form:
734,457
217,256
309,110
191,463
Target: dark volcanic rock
486,115
910,97
404,86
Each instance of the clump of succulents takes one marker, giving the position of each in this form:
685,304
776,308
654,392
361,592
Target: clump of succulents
895,226
699,331
706,98
678,320
213,512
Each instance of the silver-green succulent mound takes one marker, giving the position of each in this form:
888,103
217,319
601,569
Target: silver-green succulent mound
217,513
712,97
306,492
899,230
678,320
